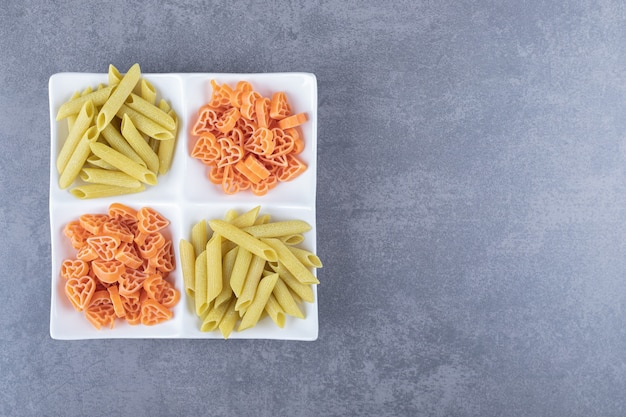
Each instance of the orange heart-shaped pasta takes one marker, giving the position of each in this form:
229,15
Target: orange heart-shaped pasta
80,290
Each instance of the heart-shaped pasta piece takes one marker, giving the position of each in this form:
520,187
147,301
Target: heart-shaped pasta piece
80,290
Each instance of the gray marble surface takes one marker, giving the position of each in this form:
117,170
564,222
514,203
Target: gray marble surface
471,207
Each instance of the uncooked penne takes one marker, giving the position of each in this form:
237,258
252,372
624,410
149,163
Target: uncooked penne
73,106
124,163
200,301
240,269
285,299
81,124
78,158
167,147
114,76
291,240
213,317
306,257
109,177
102,190
145,125
230,319
253,276
95,161
290,261
279,228
246,219
199,236
151,111
241,238
115,139
275,311
117,98
147,91
214,267
228,262
304,291
139,144
256,308
187,264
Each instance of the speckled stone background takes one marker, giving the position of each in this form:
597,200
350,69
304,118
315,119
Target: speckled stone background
471,209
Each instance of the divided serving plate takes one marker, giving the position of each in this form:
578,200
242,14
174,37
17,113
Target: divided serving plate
185,196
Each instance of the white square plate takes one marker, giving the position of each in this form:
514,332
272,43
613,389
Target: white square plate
185,196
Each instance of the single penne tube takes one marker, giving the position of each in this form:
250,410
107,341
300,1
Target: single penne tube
285,299
291,262
213,317
275,311
228,262
82,123
78,158
73,106
147,91
227,245
187,263
139,144
95,161
72,118
164,105
200,301
151,111
241,238
114,76
166,149
214,267
144,124
265,218
230,319
117,98
199,236
152,142
279,228
307,258
123,163
240,269
295,296
246,219
165,153
253,276
115,139
105,176
231,215
257,306
304,291
88,191
291,240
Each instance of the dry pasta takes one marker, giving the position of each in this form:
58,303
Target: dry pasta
151,111
88,191
78,158
139,144
214,267
81,125
118,96
246,286
108,177
124,163
129,121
